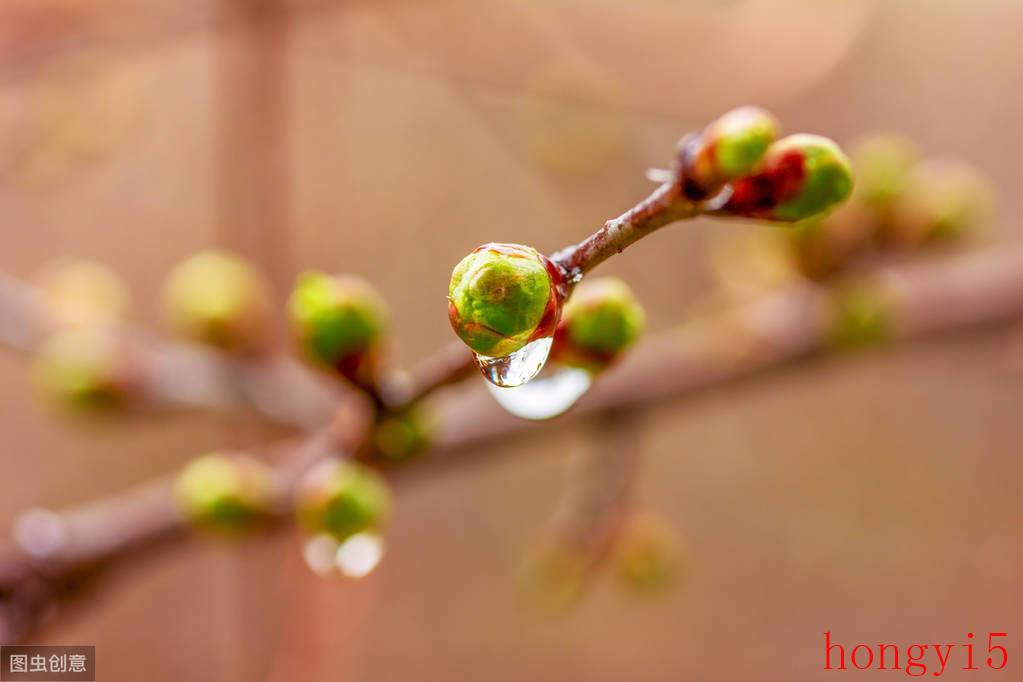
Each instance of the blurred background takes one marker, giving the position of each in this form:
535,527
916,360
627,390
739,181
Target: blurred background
875,496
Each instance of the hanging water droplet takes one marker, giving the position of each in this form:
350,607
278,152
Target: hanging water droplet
518,367
319,553
359,555
545,397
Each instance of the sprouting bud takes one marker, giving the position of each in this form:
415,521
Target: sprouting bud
728,148
217,298
599,322
339,321
342,498
860,314
883,166
646,555
800,176
87,368
402,436
944,200
502,296
225,492
82,292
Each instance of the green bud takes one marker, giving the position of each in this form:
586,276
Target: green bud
646,555
86,368
728,148
944,200
800,176
599,322
883,166
217,298
861,315
339,321
225,492
502,296
83,293
401,437
342,498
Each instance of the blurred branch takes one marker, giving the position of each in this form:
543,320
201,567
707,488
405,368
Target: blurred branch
58,555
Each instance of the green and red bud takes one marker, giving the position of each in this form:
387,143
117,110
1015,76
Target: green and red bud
728,148
403,436
83,293
800,176
225,492
218,299
599,322
341,498
646,556
503,296
87,368
339,321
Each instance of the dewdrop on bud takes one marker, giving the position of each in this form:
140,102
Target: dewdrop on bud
504,302
339,321
86,368
341,498
728,148
217,298
944,200
599,322
646,556
82,293
227,493
403,436
800,176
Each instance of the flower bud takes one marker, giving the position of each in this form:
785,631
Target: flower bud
884,164
646,555
225,492
217,298
339,321
799,177
860,315
401,437
82,293
599,322
342,498
86,368
944,200
728,148
503,296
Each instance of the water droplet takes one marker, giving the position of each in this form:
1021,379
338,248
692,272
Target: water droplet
519,367
359,555
545,397
319,554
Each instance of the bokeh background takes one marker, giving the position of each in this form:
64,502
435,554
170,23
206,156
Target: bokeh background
875,496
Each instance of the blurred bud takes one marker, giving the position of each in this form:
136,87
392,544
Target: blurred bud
342,498
402,436
799,177
944,200
883,166
821,247
599,322
748,263
86,368
646,555
225,492
339,321
502,296
219,299
861,314
728,148
83,293
554,577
